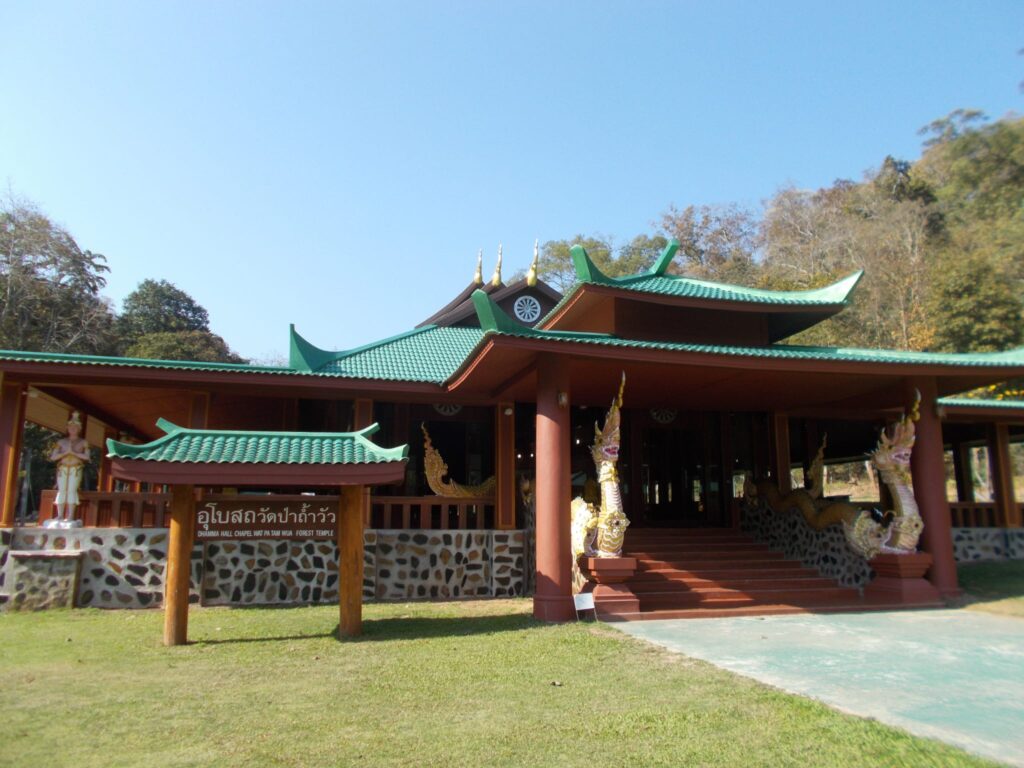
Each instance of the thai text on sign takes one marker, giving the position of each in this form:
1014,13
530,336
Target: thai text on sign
266,517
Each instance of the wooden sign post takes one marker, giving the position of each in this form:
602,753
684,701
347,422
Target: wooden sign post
350,565
179,565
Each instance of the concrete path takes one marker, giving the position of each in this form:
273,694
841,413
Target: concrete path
956,676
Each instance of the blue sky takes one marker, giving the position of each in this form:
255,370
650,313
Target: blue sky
338,165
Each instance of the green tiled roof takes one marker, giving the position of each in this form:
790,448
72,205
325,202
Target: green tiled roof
657,282
136,362
428,354
494,320
204,446
978,402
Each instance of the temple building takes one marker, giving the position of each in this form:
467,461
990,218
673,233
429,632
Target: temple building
496,396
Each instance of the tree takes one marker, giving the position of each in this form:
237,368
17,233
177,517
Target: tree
49,286
976,306
160,321
158,306
202,346
716,242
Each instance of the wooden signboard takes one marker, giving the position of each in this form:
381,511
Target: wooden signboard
266,517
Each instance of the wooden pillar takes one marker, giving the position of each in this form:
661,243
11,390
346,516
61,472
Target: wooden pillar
179,565
505,466
552,600
928,467
728,463
105,478
780,461
199,410
962,472
350,565
12,427
1001,469
362,417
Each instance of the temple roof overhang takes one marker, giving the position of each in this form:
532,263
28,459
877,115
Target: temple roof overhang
783,313
225,457
704,376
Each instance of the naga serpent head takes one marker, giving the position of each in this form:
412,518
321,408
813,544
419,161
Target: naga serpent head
606,439
893,453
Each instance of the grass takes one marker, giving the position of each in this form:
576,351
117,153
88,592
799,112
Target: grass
994,587
429,684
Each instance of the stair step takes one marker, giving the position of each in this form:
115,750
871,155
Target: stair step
746,585
781,570
686,549
726,598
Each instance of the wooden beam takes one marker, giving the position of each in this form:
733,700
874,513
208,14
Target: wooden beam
12,428
780,458
1001,468
505,466
179,565
350,565
86,408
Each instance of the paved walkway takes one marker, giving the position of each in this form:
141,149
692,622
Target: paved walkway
956,676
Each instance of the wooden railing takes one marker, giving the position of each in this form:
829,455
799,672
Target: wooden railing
974,514
100,509
439,512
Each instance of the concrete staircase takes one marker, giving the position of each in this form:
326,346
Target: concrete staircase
715,572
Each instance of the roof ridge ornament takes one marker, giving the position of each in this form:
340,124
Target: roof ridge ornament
665,259
531,275
478,276
496,277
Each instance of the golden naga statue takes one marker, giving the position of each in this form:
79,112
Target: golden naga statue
868,532
436,470
606,528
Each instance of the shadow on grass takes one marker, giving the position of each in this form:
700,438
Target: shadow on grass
408,628
420,627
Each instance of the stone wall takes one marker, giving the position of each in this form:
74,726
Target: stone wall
971,545
6,537
825,550
40,580
124,567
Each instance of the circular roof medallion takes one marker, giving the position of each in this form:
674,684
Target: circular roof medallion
526,309
664,415
447,409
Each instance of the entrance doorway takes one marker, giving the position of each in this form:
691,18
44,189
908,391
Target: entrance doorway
681,474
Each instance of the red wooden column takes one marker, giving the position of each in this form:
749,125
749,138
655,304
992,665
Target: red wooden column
928,468
350,565
552,600
962,472
105,478
505,466
1007,512
780,452
362,417
179,564
12,427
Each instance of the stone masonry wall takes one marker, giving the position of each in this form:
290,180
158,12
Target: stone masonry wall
825,550
40,580
124,567
980,544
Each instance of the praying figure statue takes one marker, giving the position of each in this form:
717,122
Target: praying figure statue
71,454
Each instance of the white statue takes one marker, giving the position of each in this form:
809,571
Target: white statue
71,454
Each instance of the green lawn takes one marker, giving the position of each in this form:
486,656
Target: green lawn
441,684
994,587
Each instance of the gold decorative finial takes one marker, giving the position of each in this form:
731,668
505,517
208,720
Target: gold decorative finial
496,278
531,276
478,276
75,418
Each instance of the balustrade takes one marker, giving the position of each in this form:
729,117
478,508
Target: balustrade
974,514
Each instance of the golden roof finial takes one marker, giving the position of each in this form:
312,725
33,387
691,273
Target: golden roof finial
531,276
478,276
496,277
